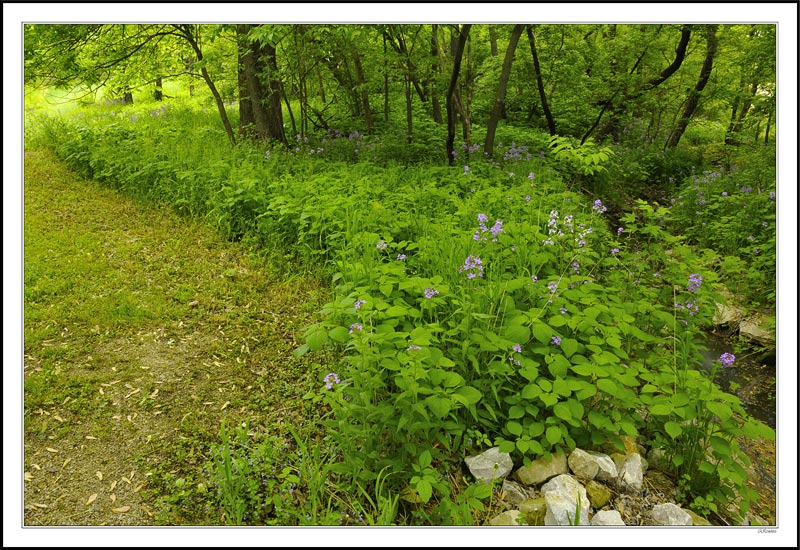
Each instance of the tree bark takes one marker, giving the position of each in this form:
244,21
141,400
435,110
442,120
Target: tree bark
364,89
499,100
551,125
463,34
435,70
158,93
186,32
694,95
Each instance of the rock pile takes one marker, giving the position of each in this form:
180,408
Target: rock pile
584,488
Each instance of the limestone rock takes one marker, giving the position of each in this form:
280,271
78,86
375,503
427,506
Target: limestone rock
607,517
754,328
670,514
599,495
534,510
561,495
542,469
510,517
697,519
592,465
514,493
490,465
631,473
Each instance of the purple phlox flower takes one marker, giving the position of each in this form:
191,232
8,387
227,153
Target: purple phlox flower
355,326
598,206
511,174
358,303
517,348
531,176
534,278
473,266
430,292
466,169
401,257
553,286
483,218
555,340
695,281
727,359
724,193
756,251
381,245
620,230
772,195
330,379
413,347
750,238
527,198
615,250
563,311
497,228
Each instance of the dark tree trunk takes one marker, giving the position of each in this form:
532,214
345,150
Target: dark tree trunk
435,69
694,95
551,125
451,114
493,40
364,89
385,83
247,121
499,100
158,93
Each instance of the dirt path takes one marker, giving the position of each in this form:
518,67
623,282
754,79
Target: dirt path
143,331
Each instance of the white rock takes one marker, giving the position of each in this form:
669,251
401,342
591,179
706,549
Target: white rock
670,514
607,517
490,465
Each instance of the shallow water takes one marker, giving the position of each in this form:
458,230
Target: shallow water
754,375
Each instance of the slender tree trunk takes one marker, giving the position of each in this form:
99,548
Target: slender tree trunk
409,115
551,125
766,134
435,70
158,93
288,108
385,83
186,32
493,40
463,34
694,95
246,117
364,88
499,100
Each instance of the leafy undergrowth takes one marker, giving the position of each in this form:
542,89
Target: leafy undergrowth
144,332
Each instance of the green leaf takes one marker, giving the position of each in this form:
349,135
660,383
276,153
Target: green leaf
608,386
559,366
425,458
516,411
339,334
673,429
542,332
522,445
514,427
562,411
721,446
553,435
317,339
722,410
440,406
535,429
386,289
661,409
531,391
396,311
424,489
569,346
471,394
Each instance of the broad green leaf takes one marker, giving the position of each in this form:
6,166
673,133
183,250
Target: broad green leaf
522,445
608,386
470,394
673,429
569,346
661,409
562,411
721,446
514,427
424,489
553,435
317,339
425,458
516,411
722,410
531,391
440,406
339,334
396,311
535,429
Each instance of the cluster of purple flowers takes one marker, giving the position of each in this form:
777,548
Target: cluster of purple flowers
401,257
495,230
330,379
517,152
689,306
413,347
430,292
381,245
355,326
358,303
555,340
727,359
695,281
598,206
473,266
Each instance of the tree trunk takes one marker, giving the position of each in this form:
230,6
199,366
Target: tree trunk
463,34
409,115
435,70
694,95
364,89
497,110
186,32
246,118
158,93
766,134
493,40
551,125
385,83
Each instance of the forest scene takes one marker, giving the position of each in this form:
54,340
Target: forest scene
402,274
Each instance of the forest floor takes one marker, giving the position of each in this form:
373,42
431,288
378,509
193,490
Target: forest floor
142,332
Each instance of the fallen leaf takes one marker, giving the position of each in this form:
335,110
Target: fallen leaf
28,476
121,509
92,498
90,437
139,487
99,475
101,391
114,484
153,395
113,498
52,450
225,405
36,466
146,511
40,505
126,480
58,418
67,461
